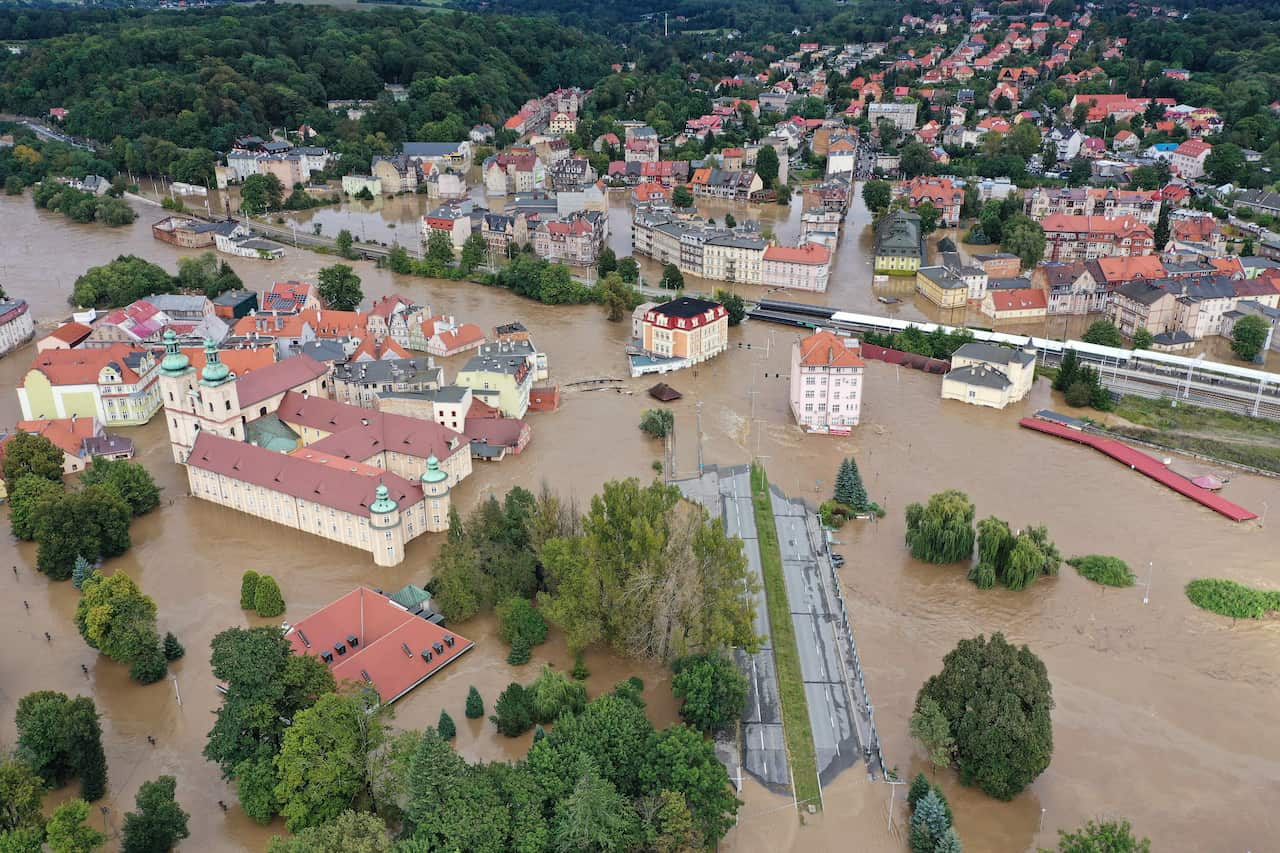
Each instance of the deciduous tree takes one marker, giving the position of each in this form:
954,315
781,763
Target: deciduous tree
713,690
130,480
1110,836
942,530
27,495
159,823
68,830
1249,336
340,288
32,455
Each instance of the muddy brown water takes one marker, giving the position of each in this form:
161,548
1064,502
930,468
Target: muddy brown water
1163,714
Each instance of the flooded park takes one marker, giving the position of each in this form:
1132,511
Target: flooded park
1163,712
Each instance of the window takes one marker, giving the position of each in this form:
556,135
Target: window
228,405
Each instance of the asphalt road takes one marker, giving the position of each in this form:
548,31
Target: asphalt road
727,495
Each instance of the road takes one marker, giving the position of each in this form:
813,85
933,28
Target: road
827,657
726,493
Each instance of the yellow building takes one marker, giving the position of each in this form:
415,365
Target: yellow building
989,375
115,384
899,249
501,375
942,287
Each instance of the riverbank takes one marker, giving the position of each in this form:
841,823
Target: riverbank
1208,433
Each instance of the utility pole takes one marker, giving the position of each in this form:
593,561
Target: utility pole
1146,596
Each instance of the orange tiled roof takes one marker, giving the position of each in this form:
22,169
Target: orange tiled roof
826,349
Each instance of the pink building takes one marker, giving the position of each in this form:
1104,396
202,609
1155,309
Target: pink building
805,267
826,383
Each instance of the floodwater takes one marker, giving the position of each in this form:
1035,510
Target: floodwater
1164,712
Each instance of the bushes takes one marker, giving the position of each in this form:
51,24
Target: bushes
475,704
248,588
1228,598
713,690
657,422
1109,571
552,694
518,620
267,599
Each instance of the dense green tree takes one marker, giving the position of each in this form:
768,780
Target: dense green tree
173,649
1024,237
21,792
949,842
248,589
672,278
877,195
713,689
916,159
68,830
849,489
1161,233
1104,333
617,296
685,761
657,423
159,823
513,712
349,832
150,664
629,269
928,823
256,781
681,197
266,684
439,248
28,496
1110,836
60,738
116,618
445,726
929,726
734,305
929,217
267,600
1067,370
607,262
340,288
594,817
260,194
343,244
130,480
1249,337
997,700
521,652
475,704
1142,339
1225,163
607,582
120,282
398,260
474,252
942,530
324,758
766,167
553,693
995,541
92,523
32,455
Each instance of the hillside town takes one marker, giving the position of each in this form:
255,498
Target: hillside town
832,324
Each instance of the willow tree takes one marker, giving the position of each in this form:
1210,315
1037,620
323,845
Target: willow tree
942,530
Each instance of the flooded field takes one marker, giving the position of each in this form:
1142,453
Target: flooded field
1164,713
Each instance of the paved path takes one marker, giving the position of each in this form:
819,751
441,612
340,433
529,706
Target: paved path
826,650
726,493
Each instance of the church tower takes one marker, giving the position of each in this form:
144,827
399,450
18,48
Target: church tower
385,528
435,485
193,404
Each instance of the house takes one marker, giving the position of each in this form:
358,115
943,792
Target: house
988,375
1143,304
185,232
16,325
575,239
1125,140
826,383
67,336
899,247
501,375
444,336
362,638
1067,141
1069,288
481,134
943,286
688,330
443,155
361,383
1026,304
842,156
651,193
946,197
1189,157
233,239
291,297
356,184
81,440
1260,201
115,384
901,115
1070,237
805,267
396,174
999,264
231,305
1143,205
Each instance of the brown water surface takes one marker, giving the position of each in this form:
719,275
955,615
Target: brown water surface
1164,713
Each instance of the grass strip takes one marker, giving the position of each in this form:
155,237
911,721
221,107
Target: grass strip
1228,598
795,708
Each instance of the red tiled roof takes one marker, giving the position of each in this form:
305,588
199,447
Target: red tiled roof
1018,300
371,349
1127,269
346,487
68,434
359,434
1193,148
272,379
383,630
496,432
826,349
82,366
239,361
71,333
809,253
1083,224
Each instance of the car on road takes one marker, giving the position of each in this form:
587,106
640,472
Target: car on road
837,560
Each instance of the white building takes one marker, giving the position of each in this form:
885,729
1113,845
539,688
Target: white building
826,383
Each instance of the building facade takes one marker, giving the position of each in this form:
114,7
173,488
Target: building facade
694,330
115,384
989,375
826,383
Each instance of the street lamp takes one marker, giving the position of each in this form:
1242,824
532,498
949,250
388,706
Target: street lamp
1146,596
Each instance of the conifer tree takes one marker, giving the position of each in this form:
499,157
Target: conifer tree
267,599
80,571
445,726
248,589
172,648
475,705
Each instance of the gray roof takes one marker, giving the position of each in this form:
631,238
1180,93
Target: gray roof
170,302
979,374
1016,283
234,297
387,370
323,349
944,277
1142,291
429,149
443,394
995,354
899,232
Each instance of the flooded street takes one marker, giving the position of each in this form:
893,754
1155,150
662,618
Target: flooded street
1164,712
